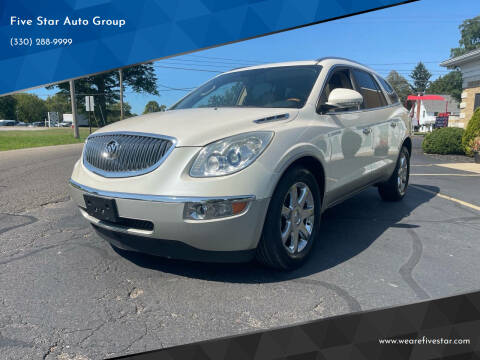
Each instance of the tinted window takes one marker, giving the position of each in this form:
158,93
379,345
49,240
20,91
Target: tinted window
476,105
276,87
391,93
340,79
368,87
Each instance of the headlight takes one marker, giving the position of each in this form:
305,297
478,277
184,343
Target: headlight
231,154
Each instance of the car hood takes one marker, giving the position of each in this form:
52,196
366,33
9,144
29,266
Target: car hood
198,127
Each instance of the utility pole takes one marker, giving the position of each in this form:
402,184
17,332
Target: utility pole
74,109
120,75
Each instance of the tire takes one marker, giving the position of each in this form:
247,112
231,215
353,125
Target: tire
395,188
300,221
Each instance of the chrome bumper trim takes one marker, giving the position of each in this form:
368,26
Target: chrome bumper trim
117,228
157,198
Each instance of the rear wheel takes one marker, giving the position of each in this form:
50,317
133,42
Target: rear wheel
292,221
395,188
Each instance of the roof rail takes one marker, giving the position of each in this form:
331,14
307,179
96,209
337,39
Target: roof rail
338,58
240,67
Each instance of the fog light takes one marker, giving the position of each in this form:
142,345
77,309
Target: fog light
200,211
214,209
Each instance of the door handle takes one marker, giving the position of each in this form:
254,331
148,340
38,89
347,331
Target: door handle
393,124
367,131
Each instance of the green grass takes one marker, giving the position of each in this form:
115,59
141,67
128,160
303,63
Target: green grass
22,139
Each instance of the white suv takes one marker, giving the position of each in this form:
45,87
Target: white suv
244,166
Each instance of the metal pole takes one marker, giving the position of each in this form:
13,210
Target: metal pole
418,110
74,109
120,75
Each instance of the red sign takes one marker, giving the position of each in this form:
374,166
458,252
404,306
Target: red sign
426,97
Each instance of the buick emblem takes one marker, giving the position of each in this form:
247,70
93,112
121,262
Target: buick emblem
111,150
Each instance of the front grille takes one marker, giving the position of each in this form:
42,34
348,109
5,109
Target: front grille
125,154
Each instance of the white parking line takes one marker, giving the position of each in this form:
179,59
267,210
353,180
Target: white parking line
445,175
470,167
446,197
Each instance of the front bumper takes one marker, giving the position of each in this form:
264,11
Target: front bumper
238,233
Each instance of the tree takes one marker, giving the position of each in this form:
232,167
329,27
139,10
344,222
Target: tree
228,98
470,37
449,84
7,107
421,77
113,111
400,85
60,103
30,108
153,106
105,87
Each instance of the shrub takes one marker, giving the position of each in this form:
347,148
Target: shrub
471,132
444,141
475,145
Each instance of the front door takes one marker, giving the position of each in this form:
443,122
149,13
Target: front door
350,141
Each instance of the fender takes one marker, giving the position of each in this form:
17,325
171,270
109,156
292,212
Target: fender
293,154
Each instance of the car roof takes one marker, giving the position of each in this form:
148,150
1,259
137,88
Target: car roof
325,61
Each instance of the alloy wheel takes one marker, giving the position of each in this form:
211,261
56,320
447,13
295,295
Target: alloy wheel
402,175
297,218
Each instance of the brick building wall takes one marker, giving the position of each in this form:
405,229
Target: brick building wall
468,104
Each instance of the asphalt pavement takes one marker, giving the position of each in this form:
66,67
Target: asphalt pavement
66,294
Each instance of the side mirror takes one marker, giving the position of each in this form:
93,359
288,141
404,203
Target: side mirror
344,98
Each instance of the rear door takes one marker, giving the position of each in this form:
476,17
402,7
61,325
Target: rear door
397,125
376,115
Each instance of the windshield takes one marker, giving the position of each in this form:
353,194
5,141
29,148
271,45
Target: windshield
276,87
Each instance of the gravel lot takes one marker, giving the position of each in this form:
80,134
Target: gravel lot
66,294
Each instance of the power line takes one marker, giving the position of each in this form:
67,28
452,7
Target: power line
208,65
172,88
99,94
222,58
239,62
189,69
408,63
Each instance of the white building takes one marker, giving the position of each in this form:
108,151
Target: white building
469,65
430,109
81,119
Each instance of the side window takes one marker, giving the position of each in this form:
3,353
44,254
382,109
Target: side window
388,88
338,79
368,87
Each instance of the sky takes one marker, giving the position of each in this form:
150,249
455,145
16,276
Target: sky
396,38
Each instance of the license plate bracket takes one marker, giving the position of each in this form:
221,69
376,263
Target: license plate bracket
101,208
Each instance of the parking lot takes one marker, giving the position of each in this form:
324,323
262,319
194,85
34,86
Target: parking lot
66,294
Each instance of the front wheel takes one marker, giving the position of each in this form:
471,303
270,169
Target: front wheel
292,221
395,188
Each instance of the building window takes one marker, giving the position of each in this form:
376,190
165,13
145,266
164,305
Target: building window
477,102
